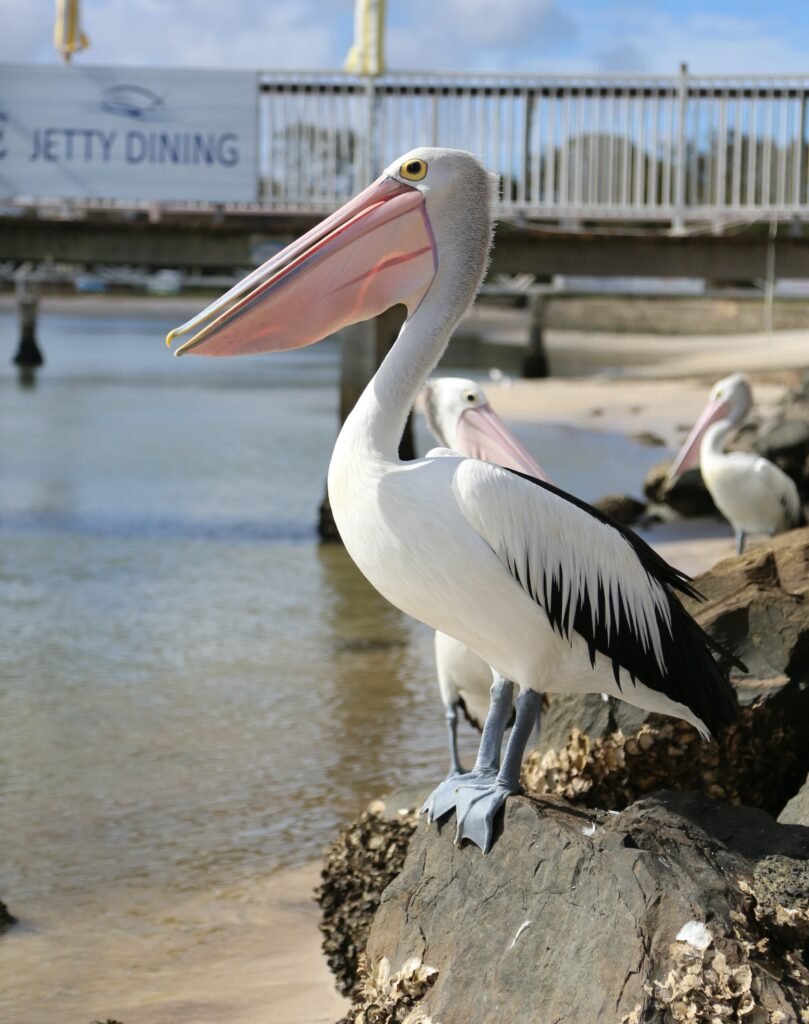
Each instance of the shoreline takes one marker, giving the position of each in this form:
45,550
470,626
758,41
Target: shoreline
257,958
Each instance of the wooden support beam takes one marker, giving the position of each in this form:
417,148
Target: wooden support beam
535,363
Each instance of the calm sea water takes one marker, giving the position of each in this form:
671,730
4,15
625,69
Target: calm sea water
194,692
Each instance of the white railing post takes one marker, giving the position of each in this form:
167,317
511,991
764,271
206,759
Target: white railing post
680,166
371,131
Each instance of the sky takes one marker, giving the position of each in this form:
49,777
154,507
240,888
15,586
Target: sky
531,36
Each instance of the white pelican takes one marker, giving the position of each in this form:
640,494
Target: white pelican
542,587
752,493
459,414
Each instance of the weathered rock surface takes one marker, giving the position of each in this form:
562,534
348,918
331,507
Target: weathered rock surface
785,437
796,811
676,909
758,604
621,508
687,495
614,754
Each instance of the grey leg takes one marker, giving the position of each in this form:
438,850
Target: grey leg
478,804
740,537
529,713
443,799
455,767
495,725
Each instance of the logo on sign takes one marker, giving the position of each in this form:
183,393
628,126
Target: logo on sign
130,101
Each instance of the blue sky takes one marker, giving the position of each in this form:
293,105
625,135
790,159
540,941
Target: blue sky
567,36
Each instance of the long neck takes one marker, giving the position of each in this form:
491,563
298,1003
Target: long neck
381,413
378,420
713,441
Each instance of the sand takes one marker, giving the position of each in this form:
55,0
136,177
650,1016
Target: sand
245,952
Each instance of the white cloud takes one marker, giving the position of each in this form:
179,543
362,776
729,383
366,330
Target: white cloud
532,36
629,38
239,33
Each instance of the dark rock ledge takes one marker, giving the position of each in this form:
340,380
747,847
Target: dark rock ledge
677,909
7,919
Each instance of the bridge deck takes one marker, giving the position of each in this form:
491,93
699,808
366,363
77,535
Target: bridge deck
669,151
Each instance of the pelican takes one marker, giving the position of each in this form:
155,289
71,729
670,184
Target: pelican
752,493
460,416
544,588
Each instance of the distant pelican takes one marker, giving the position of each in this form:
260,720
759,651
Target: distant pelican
460,416
752,493
540,585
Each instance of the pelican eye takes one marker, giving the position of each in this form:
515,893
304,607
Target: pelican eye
413,170
470,396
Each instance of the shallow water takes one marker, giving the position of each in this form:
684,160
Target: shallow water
194,693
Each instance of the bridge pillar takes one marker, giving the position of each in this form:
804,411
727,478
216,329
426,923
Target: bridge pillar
364,346
535,363
28,357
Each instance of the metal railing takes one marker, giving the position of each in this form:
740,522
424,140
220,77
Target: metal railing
669,151
675,149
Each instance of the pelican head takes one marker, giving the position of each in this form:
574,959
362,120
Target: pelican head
425,223
731,399
459,414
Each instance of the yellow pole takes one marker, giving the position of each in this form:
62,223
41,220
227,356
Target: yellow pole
68,37
367,55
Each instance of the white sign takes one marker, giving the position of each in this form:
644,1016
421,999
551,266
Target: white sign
79,131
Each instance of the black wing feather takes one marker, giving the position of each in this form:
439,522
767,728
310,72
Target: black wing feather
690,675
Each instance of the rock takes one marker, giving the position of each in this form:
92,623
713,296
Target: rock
786,443
687,495
676,909
621,508
796,811
326,526
646,437
758,605
607,754
359,865
7,919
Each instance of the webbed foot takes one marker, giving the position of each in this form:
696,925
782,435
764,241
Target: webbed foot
444,798
477,808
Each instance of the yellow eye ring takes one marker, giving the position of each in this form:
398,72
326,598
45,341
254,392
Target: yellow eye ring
413,170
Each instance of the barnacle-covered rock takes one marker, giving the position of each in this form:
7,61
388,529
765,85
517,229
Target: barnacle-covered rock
385,998
758,761
668,911
358,866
